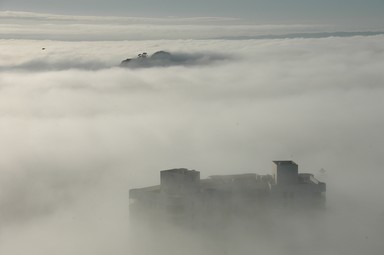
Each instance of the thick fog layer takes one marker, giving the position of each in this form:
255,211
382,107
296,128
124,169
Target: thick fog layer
77,132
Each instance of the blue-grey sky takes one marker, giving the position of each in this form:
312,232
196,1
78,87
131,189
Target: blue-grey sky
277,11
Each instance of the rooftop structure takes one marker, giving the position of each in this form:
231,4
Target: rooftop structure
183,196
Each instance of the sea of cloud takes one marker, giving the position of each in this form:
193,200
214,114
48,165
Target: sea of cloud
77,132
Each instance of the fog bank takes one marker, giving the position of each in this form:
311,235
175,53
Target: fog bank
75,138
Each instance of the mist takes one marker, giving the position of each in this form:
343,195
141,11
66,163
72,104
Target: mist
77,132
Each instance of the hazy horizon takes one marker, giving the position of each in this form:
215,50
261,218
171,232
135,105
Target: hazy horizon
353,12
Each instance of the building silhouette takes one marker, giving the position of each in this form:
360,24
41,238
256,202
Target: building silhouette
183,197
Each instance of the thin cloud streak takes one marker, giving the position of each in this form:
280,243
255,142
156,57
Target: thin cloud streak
21,25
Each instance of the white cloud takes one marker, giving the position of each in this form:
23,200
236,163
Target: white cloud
75,139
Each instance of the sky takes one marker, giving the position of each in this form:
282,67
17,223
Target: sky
78,131
343,12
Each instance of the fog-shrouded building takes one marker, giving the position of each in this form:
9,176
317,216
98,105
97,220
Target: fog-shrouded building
183,197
